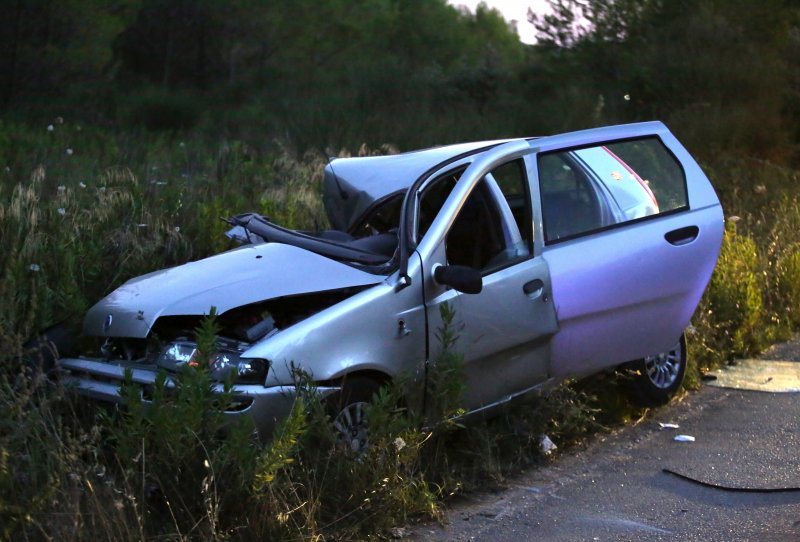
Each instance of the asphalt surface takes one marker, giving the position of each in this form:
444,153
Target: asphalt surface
616,489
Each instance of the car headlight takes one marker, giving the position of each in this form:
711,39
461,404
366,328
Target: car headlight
221,365
176,355
245,370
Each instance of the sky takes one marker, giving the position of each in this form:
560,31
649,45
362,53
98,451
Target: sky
512,10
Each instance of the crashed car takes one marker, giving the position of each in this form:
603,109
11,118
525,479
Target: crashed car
560,256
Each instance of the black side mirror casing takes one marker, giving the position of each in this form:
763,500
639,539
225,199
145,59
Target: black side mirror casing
459,277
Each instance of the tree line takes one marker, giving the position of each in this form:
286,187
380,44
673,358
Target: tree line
724,74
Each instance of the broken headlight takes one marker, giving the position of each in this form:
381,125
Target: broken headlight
221,364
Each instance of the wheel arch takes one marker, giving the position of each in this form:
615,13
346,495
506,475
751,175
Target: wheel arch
380,377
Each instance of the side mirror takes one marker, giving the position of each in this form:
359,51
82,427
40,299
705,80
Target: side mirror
459,277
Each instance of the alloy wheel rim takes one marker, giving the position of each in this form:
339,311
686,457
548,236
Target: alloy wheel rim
351,428
663,369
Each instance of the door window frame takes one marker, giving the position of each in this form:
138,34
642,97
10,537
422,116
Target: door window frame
526,182
540,204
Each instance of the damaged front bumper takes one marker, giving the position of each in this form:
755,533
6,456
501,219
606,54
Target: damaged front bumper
102,381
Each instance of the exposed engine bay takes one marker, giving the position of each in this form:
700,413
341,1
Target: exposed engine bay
239,328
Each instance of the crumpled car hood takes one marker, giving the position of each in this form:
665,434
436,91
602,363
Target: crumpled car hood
242,276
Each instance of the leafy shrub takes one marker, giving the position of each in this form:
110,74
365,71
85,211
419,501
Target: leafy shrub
734,296
788,268
187,462
74,226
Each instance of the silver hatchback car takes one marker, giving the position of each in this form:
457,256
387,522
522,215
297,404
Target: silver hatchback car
560,256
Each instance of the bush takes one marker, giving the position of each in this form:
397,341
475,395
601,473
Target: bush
788,284
76,225
733,298
181,457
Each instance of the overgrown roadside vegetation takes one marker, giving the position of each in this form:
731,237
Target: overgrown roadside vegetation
117,159
73,231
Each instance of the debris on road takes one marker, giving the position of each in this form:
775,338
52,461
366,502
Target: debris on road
399,532
546,445
668,425
732,488
683,438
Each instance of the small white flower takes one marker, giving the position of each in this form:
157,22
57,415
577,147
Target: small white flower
69,152
62,211
627,97
50,127
82,184
34,267
61,188
177,229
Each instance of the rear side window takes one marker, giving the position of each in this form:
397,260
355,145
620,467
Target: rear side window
587,189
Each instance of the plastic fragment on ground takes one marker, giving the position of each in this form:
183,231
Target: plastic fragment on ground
399,532
683,438
546,445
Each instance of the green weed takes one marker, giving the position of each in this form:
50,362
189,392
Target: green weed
75,225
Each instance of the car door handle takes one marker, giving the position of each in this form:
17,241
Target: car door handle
534,288
682,236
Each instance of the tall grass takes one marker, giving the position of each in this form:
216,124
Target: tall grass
76,224
751,300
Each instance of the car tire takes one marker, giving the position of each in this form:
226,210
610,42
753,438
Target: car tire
657,378
346,409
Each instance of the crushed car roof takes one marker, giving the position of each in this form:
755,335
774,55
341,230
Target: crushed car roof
352,185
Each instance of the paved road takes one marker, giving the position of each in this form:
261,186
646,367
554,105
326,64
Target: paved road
616,489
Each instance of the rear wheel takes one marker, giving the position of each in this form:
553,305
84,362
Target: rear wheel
657,378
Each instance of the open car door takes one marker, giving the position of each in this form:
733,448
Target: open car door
631,229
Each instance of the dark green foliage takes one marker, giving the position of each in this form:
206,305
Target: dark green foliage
157,110
734,297
131,127
446,381
335,73
190,465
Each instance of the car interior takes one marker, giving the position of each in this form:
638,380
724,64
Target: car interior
570,204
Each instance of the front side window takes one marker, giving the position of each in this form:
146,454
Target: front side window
493,227
587,189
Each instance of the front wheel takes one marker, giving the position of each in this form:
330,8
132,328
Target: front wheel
348,412
657,378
